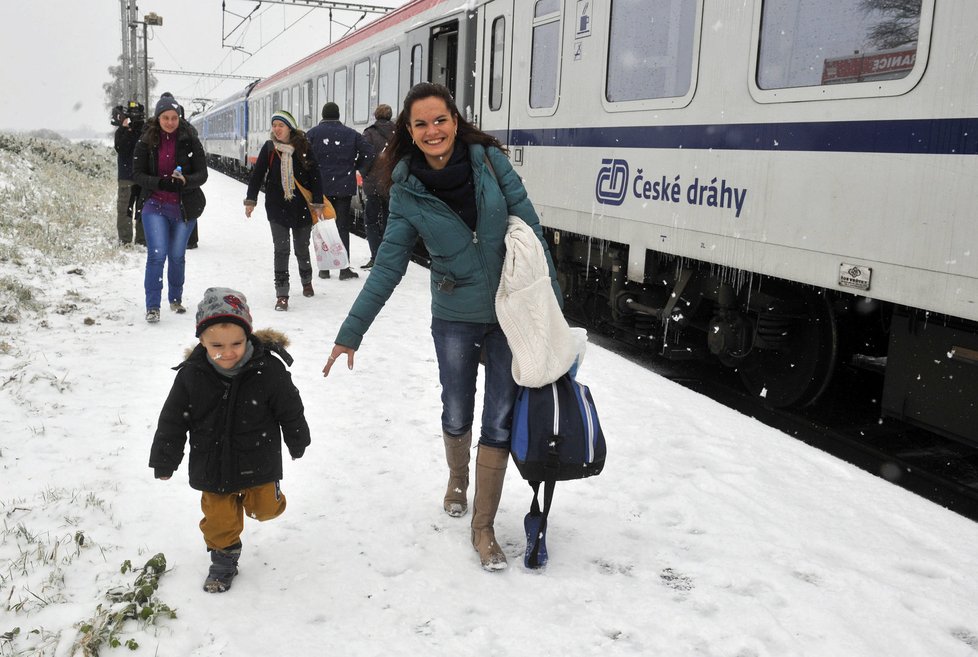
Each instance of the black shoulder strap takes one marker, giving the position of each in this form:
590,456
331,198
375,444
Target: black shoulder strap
548,496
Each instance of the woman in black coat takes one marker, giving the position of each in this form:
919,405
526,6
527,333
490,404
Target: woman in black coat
169,166
284,160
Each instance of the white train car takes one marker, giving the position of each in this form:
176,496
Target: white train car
788,185
431,40
223,132
785,185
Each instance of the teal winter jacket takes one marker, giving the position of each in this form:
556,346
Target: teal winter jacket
465,266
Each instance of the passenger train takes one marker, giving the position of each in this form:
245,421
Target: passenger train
787,186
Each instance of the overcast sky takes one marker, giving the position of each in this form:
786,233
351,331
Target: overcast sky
56,53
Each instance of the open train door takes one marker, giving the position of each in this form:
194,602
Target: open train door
495,67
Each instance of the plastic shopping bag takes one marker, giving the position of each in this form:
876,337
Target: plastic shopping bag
330,253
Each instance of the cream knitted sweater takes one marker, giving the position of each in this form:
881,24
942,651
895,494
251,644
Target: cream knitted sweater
541,341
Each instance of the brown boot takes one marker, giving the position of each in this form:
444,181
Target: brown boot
457,450
490,471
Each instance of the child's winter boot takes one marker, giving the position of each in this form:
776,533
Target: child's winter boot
224,566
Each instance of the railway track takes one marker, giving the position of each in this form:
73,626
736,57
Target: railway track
847,425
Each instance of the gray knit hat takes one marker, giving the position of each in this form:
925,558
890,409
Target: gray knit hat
167,102
220,305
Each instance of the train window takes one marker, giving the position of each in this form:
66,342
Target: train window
545,55
308,111
322,92
361,91
416,66
545,7
276,97
286,100
496,63
808,49
388,74
650,49
339,92
296,108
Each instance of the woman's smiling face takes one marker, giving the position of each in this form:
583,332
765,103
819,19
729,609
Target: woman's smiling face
433,128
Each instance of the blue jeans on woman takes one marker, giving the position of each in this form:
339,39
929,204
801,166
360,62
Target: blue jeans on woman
459,346
166,242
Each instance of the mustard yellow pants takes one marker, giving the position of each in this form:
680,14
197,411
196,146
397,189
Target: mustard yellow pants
223,519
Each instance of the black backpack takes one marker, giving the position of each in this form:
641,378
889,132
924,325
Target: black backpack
556,436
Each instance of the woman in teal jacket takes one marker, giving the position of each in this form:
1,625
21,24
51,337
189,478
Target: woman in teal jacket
452,185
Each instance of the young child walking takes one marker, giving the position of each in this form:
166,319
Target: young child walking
237,401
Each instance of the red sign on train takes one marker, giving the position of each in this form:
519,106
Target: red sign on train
881,65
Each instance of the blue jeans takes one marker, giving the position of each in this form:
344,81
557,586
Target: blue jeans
166,242
459,346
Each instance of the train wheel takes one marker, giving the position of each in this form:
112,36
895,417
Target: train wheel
796,347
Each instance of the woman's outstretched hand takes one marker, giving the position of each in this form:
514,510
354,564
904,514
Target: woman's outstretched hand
339,350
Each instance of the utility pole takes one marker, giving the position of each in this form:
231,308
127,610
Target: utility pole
134,48
130,49
126,56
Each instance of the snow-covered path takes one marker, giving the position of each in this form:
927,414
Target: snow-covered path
707,534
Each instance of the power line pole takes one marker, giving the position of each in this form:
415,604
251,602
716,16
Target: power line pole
124,23
132,66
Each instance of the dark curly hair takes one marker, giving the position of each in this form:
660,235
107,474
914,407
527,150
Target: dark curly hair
401,143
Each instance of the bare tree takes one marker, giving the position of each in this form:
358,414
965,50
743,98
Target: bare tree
899,22
115,88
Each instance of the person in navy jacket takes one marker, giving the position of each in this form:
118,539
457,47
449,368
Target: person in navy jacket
340,152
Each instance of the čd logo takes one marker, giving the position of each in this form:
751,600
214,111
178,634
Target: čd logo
612,182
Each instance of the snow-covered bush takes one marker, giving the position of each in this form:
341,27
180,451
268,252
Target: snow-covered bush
57,208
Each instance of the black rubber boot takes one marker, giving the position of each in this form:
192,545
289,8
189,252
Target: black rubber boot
224,566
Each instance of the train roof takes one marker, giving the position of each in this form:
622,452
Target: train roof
399,15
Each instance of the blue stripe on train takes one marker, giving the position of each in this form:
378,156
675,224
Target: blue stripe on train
916,136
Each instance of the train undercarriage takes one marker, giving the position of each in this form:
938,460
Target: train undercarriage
786,341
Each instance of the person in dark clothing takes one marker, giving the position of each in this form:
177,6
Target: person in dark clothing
169,166
375,212
340,152
130,123
236,399
284,162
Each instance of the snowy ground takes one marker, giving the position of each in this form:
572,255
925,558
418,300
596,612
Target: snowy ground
707,534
